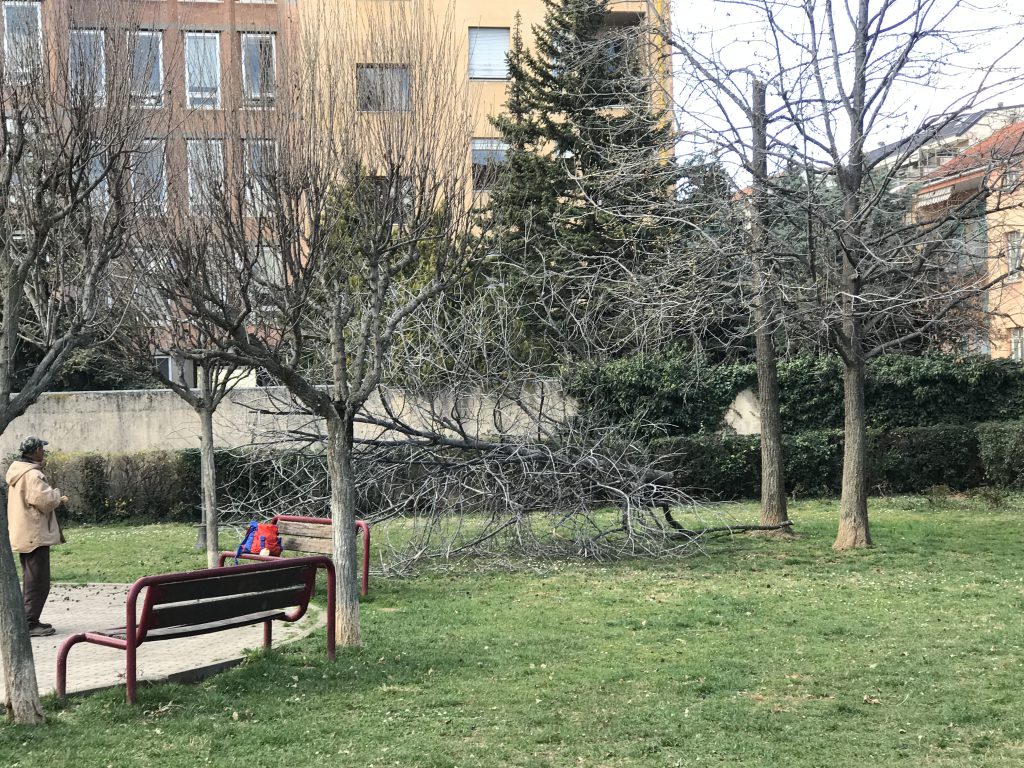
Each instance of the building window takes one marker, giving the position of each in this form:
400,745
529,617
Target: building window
268,271
1013,254
383,88
1017,344
205,173
96,178
87,70
149,177
392,198
259,76
260,157
147,54
23,41
488,49
1011,180
202,70
182,372
488,155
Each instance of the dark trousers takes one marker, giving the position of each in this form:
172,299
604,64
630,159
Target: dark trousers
35,566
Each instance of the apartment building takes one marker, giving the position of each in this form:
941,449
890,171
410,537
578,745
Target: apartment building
190,63
488,26
209,74
981,189
939,140
481,32
196,64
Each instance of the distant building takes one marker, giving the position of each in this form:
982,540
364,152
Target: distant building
940,139
981,187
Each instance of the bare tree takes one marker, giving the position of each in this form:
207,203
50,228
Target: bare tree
344,209
69,139
861,274
165,340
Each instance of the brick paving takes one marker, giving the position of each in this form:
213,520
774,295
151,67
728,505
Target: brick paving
75,608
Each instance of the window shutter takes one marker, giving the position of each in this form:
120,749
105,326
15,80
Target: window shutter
487,49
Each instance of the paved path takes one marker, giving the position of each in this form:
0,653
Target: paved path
85,607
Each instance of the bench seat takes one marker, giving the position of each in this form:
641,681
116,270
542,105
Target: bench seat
176,605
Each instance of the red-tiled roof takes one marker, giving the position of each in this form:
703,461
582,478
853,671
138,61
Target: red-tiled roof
1005,144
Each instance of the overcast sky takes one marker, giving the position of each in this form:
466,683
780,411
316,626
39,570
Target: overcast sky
993,28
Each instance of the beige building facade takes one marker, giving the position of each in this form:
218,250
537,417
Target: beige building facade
480,31
982,187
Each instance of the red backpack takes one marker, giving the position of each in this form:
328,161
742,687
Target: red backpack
266,538
258,537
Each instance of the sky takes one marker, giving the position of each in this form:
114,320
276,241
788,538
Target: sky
986,31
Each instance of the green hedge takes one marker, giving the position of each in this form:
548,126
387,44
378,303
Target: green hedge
1001,452
153,485
164,485
905,460
680,396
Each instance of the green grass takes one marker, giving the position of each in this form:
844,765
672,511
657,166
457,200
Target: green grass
762,653
122,554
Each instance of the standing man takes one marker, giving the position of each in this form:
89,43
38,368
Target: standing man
32,521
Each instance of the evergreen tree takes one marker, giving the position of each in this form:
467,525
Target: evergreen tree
589,163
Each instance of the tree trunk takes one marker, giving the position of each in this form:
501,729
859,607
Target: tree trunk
343,515
853,504
22,689
773,478
208,475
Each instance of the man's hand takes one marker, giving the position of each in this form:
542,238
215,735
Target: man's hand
63,499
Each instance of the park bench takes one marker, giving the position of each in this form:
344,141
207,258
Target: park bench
199,602
312,535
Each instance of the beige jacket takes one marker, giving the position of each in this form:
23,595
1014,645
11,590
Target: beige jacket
31,508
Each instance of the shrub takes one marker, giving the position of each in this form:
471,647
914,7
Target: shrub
813,462
908,460
671,391
675,395
712,466
1001,450
913,459
156,485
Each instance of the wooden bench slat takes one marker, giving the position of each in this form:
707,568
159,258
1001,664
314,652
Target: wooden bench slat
309,530
191,630
302,544
226,584
226,608
188,630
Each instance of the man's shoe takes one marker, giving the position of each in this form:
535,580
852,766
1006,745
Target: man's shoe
39,629
43,624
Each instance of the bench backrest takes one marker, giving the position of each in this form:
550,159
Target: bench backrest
312,535
179,605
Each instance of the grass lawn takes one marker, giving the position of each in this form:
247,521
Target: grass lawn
762,653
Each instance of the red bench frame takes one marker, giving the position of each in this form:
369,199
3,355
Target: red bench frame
136,629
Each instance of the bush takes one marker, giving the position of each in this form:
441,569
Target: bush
677,396
813,462
672,391
913,459
1001,451
156,485
908,460
712,466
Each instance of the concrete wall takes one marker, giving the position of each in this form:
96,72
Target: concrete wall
155,419
140,420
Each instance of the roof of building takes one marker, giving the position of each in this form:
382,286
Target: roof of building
1005,144
949,126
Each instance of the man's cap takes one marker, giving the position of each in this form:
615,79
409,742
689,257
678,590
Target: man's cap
31,445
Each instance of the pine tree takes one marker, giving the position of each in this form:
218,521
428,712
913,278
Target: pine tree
588,161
